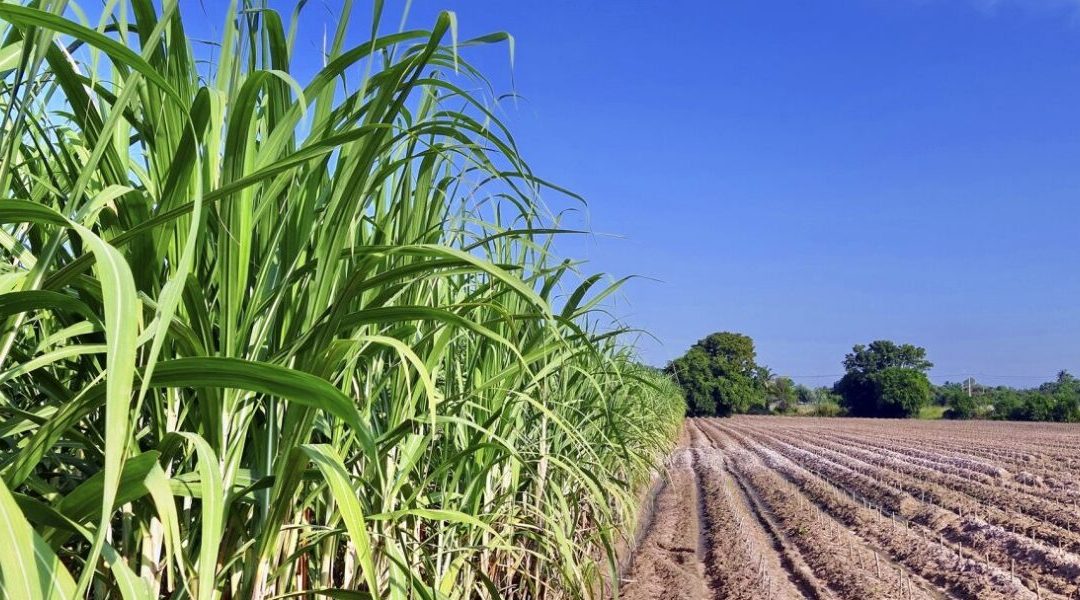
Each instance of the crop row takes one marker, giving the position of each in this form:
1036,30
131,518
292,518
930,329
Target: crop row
853,484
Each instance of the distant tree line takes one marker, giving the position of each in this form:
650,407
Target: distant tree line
720,377
1057,400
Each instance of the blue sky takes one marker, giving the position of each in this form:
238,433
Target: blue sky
814,174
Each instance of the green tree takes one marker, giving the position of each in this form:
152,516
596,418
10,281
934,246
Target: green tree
694,374
856,392
827,403
720,375
1057,400
1065,397
1008,404
961,405
781,394
884,380
883,354
900,392
809,395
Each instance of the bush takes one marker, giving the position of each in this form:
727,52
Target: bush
1057,400
960,404
828,408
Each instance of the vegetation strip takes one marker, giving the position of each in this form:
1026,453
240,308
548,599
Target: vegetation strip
269,333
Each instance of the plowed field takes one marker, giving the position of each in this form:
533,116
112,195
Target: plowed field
782,507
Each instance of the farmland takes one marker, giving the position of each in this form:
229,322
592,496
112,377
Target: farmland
775,507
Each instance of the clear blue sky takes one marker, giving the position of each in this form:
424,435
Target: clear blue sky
814,174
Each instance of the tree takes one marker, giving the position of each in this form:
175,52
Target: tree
720,375
781,394
693,372
961,405
1065,397
883,354
856,393
900,392
1057,400
884,380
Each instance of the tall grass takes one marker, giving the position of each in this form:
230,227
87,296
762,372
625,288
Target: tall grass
264,338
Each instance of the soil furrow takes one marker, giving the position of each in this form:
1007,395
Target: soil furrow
666,562
743,556
794,565
854,509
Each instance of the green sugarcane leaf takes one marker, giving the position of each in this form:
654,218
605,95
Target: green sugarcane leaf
264,378
29,566
213,509
352,513
32,17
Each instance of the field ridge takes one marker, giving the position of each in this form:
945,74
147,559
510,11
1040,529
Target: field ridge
851,509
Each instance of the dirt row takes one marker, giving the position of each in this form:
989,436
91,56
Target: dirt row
1042,520
1030,451
762,507
703,518
983,518
667,561
952,573
1048,482
1039,564
1052,520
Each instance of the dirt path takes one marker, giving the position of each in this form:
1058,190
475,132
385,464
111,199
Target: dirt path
668,561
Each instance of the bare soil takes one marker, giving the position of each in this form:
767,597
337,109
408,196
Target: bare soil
853,509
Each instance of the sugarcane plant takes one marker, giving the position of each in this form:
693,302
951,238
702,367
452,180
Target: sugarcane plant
272,338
